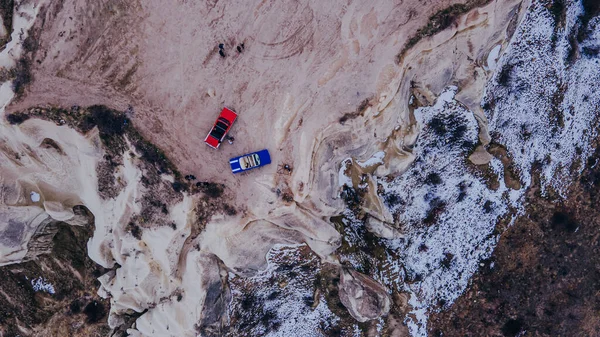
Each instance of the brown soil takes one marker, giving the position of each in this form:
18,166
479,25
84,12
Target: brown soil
74,308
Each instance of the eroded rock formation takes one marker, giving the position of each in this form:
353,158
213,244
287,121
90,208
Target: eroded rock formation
363,296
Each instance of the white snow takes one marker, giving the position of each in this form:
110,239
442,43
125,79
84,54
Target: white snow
298,321
40,284
417,322
344,179
492,59
35,197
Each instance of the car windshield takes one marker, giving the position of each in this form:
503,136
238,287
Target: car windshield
219,130
250,161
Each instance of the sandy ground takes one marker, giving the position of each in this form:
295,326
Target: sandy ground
304,66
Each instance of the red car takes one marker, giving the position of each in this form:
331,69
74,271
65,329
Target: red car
220,129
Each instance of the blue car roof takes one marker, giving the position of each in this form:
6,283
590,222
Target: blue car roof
264,159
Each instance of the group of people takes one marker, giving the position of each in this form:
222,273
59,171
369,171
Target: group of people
240,48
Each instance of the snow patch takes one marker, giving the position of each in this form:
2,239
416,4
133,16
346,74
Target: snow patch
279,295
40,284
344,179
35,197
492,59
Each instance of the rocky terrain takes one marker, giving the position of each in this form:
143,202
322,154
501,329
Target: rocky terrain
434,168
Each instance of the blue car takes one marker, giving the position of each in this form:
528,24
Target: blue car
250,161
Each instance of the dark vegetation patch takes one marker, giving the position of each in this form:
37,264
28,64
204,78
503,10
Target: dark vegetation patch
590,51
6,11
153,155
211,190
287,195
525,132
438,22
134,229
363,249
546,273
558,9
179,186
436,208
591,9
391,200
17,118
31,44
94,311
504,76
433,178
563,221
512,327
111,123
75,306
22,76
211,203
451,129
352,197
107,184
488,104
447,260
462,187
229,210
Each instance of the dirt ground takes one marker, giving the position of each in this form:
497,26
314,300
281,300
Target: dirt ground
72,306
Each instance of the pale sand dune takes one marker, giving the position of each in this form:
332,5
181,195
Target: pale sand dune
305,65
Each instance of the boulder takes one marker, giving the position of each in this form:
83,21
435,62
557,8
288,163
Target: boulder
364,297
